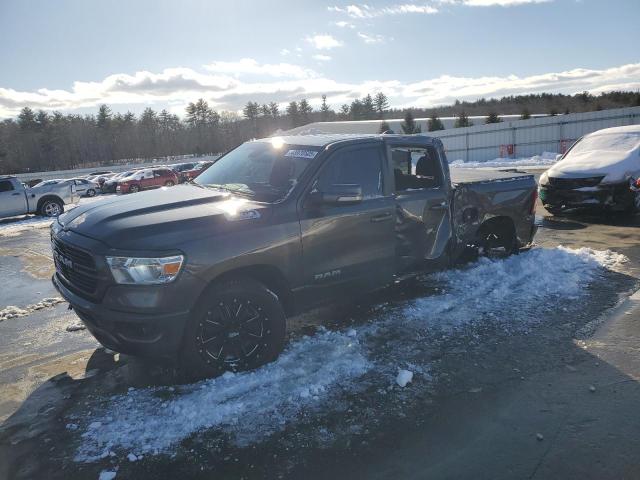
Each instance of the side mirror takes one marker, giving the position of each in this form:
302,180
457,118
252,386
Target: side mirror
337,194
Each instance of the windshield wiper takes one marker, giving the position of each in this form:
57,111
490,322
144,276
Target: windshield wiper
244,193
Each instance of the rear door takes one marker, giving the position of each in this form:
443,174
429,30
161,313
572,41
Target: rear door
12,201
349,248
422,194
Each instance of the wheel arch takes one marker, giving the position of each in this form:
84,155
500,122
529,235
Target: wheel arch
501,224
269,275
48,197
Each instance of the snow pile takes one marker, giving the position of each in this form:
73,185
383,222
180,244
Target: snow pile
14,312
248,405
544,160
511,291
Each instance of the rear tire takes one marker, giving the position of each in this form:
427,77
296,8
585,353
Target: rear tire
169,183
51,208
497,240
237,325
555,211
91,192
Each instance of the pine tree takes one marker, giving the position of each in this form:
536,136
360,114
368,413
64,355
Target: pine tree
381,103
525,115
462,120
304,109
104,116
492,118
274,109
409,126
434,123
384,127
324,109
344,111
293,114
265,111
250,110
368,107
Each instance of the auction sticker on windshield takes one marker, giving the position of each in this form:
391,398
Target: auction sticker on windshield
301,153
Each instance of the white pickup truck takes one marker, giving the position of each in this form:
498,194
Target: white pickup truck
46,200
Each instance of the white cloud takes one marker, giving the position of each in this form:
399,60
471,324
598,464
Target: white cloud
322,58
371,38
492,3
367,11
177,86
285,52
250,66
364,11
343,24
323,42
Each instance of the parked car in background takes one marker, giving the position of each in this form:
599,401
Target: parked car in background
271,229
595,173
197,169
84,187
110,185
147,178
181,167
47,199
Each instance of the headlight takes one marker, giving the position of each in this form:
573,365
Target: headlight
145,271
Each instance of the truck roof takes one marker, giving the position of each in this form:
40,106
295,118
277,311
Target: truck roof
7,177
324,140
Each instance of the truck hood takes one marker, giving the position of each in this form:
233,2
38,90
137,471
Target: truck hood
614,166
163,219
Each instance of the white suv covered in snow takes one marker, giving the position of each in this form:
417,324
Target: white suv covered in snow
595,173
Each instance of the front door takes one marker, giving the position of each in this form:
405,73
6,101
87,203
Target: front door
423,220
12,202
349,248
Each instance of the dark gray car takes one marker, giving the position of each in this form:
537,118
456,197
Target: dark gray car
208,272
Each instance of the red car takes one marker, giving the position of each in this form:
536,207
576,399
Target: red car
147,178
200,167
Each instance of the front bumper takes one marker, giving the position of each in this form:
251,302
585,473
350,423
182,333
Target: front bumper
616,196
144,334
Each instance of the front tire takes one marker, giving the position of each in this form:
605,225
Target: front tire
51,208
237,325
91,192
134,188
169,183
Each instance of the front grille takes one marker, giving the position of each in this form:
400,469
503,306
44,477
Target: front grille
573,183
76,267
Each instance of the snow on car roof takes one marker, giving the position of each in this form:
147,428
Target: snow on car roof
625,129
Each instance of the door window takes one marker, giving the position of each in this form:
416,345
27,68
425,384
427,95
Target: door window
5,186
362,167
416,168
147,174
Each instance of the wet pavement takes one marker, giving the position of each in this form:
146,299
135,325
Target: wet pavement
522,383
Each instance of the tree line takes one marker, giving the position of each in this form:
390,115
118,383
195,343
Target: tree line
40,141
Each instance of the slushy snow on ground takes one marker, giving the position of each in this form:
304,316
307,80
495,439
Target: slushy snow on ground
317,375
14,312
544,160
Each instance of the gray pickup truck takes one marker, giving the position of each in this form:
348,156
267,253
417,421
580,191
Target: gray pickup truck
46,200
206,273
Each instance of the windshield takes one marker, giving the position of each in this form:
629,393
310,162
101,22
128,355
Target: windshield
612,142
265,171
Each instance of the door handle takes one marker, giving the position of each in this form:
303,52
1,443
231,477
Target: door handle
440,206
16,194
381,218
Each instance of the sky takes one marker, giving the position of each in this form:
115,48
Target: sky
73,55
